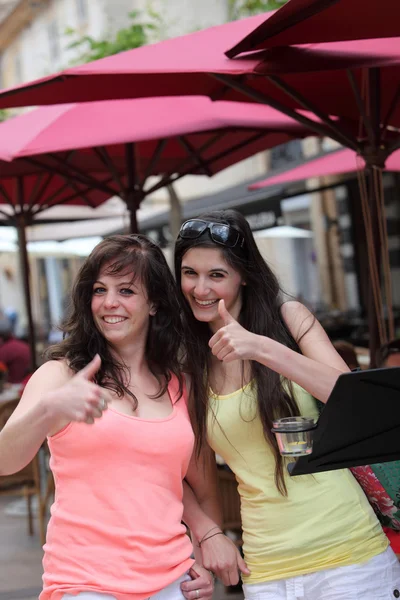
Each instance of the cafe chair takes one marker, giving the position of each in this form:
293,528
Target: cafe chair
25,483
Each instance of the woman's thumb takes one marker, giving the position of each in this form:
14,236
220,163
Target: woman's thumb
242,566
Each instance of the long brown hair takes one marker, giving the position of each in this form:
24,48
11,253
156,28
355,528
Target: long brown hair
260,314
82,340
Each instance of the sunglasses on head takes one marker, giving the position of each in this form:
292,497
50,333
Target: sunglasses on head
220,233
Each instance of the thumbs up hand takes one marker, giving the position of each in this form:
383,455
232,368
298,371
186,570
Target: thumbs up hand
79,399
232,341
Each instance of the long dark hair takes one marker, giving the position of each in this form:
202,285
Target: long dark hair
260,314
82,340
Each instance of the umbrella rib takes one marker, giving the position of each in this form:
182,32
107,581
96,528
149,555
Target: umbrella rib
278,25
81,178
42,190
308,105
66,200
49,200
8,217
5,195
169,177
239,146
34,192
154,159
103,155
198,159
229,151
264,99
361,107
81,193
390,111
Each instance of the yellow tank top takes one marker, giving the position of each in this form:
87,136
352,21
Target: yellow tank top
325,520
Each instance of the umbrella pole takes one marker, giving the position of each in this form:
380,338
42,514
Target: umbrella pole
133,220
376,324
24,262
380,313
130,196
370,202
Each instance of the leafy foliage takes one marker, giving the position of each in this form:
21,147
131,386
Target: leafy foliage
142,30
246,8
137,34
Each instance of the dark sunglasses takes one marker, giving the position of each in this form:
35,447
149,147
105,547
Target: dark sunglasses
220,233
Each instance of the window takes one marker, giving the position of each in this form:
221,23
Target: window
82,9
18,68
54,40
283,155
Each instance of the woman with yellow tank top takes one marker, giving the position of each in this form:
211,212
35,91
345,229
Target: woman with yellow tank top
253,358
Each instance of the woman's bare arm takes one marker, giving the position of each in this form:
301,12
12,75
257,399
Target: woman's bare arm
52,398
204,518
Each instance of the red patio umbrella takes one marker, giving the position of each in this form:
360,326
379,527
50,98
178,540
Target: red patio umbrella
170,137
356,80
45,189
85,153
194,65
335,163
313,21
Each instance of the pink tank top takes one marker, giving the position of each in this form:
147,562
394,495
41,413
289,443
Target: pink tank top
116,522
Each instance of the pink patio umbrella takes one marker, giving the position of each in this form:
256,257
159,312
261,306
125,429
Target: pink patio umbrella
167,137
339,162
18,184
353,80
313,21
195,65
85,153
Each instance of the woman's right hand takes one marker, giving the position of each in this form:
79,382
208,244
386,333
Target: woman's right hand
221,556
79,399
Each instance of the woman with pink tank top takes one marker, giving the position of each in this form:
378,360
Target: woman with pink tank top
112,403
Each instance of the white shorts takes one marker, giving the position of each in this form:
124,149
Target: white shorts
376,579
171,592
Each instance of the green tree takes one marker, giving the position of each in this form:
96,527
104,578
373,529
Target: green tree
246,8
136,34
3,115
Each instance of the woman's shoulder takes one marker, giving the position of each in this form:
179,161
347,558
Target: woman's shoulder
53,371
293,309
297,317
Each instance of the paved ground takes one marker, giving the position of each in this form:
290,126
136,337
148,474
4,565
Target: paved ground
21,556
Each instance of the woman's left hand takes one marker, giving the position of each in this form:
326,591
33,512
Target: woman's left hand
232,341
201,586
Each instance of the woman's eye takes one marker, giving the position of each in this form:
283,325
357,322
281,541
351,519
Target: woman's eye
189,272
217,275
98,290
127,291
